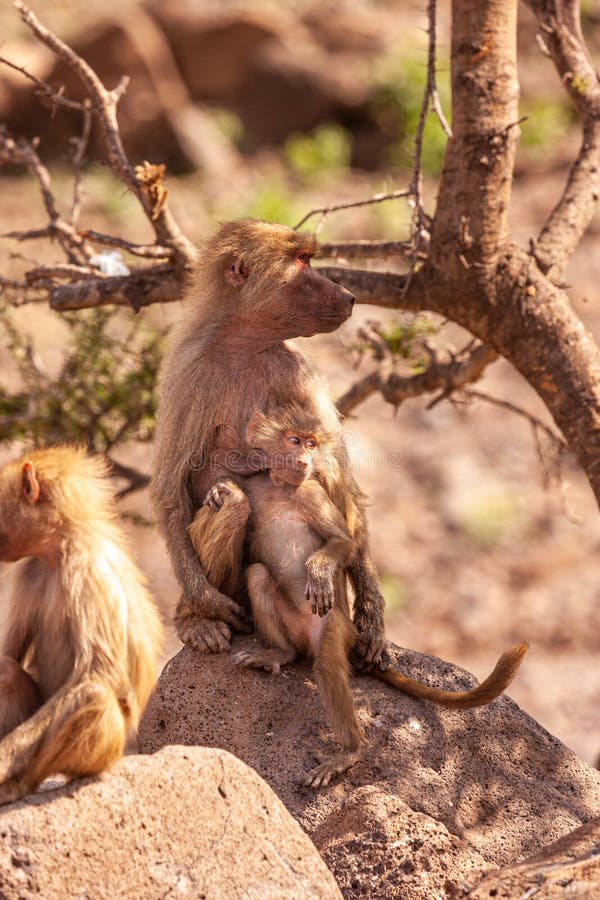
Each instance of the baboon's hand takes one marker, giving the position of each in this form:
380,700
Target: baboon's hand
218,492
320,589
370,650
205,620
204,635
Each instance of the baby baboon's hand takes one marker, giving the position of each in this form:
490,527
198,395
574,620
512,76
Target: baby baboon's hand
218,492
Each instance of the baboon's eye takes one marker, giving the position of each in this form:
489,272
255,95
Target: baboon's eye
304,258
311,444
294,439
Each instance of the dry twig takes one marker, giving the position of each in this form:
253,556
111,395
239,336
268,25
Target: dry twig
353,204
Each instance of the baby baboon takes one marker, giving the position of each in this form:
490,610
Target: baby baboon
253,289
300,548
80,651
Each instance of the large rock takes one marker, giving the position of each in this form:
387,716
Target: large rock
188,822
568,868
439,794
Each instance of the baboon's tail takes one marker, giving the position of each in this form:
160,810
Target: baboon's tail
505,670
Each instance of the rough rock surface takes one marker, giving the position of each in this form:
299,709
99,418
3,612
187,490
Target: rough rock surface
568,868
473,789
187,822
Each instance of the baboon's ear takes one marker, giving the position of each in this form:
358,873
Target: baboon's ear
237,273
30,486
255,427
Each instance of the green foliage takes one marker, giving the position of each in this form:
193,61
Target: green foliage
394,590
395,107
546,121
105,392
229,124
404,339
324,151
490,516
272,202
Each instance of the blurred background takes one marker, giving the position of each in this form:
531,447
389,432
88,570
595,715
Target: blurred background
270,109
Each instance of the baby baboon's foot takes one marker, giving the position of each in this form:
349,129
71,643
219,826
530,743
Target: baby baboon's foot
270,660
331,766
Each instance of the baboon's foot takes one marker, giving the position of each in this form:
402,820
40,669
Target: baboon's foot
330,767
269,660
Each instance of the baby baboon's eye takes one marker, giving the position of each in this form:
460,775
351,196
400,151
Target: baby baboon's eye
294,439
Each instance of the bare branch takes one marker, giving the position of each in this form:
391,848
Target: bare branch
376,198
104,107
386,289
479,161
136,480
442,374
556,439
23,153
562,232
147,251
60,270
364,249
156,284
80,146
57,98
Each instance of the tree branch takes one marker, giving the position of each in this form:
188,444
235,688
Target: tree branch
560,25
23,153
386,289
352,204
136,480
364,249
442,374
155,284
104,107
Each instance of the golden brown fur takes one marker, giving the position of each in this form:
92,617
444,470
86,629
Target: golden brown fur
83,635
299,547
252,290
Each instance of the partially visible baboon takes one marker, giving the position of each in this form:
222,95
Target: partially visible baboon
299,548
253,288
80,651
